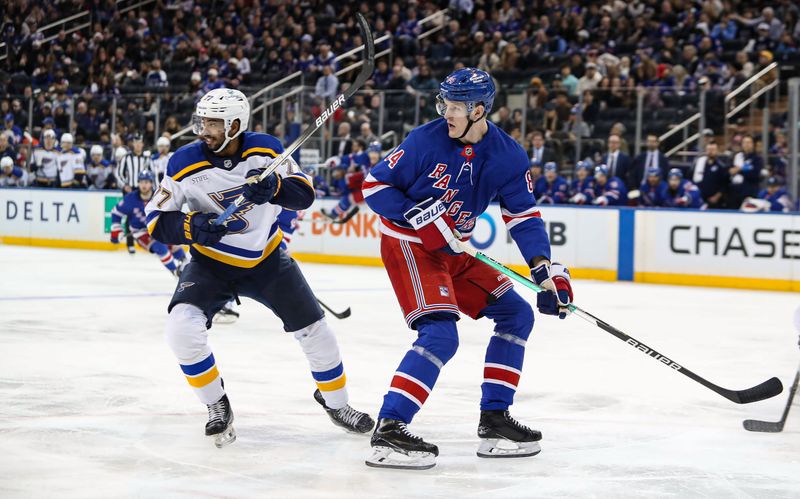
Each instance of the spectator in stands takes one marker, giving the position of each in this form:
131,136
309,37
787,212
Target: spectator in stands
343,140
651,157
590,79
15,132
325,57
156,77
617,162
6,149
767,21
745,174
367,135
711,176
681,192
568,80
550,121
423,83
540,154
590,108
213,81
327,85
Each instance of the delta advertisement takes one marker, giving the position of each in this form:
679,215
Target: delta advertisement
757,251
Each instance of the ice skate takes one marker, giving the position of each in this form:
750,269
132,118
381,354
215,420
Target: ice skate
503,436
351,420
393,446
220,422
226,315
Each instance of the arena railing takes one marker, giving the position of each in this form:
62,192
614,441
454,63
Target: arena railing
298,78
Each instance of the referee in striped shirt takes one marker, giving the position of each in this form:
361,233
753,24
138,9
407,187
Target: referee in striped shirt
127,174
131,165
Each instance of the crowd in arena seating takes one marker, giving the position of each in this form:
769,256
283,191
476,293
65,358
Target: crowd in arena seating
579,64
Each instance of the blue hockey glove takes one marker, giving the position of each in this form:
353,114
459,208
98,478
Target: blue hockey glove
199,228
263,191
557,295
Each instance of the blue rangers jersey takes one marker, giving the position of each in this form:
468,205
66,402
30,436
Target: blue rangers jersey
555,193
583,187
131,206
687,195
614,191
652,195
778,201
208,183
465,177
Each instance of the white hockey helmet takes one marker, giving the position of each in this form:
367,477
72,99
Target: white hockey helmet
225,104
6,162
162,141
66,138
96,150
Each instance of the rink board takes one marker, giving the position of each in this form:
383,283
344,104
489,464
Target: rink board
688,247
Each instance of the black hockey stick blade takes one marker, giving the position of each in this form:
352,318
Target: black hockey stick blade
347,216
763,391
344,314
777,426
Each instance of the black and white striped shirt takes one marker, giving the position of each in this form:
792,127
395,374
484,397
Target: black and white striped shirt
128,169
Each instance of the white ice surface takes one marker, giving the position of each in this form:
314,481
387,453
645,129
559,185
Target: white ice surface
93,405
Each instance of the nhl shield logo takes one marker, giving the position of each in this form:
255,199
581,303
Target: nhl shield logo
228,163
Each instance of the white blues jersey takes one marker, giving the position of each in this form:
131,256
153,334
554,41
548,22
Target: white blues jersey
71,164
209,183
45,163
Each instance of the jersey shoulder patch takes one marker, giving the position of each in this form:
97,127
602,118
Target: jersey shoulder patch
261,144
187,161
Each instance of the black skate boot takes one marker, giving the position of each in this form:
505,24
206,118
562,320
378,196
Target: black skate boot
503,436
346,417
393,446
220,422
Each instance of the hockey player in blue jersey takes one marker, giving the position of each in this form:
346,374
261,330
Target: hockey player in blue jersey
439,181
556,190
681,192
608,191
240,258
774,198
581,189
133,206
358,164
653,189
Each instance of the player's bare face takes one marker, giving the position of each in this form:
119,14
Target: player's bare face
455,113
145,189
211,131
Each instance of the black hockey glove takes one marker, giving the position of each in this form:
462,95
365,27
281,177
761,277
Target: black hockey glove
199,228
260,192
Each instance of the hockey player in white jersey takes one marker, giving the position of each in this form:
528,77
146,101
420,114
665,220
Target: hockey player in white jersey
159,160
241,258
45,161
71,161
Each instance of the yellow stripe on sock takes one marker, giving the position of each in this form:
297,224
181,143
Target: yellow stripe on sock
204,379
329,386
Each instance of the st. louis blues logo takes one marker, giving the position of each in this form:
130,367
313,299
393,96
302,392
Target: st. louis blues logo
184,285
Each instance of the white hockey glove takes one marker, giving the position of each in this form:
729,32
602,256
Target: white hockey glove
557,295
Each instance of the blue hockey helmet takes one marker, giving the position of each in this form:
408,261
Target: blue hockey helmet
469,85
374,146
675,172
585,164
654,171
146,175
550,166
601,170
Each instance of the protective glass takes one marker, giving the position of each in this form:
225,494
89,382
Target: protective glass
200,123
456,109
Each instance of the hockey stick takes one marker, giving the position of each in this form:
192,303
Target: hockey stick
762,391
344,314
363,76
768,426
328,220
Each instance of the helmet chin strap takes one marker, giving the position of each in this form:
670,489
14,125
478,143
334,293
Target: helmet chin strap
227,139
470,122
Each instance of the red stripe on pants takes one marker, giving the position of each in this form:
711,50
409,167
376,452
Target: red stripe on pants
409,386
501,375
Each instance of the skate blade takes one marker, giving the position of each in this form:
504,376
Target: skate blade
385,457
227,437
500,447
224,318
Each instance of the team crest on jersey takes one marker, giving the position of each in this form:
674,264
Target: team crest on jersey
444,291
